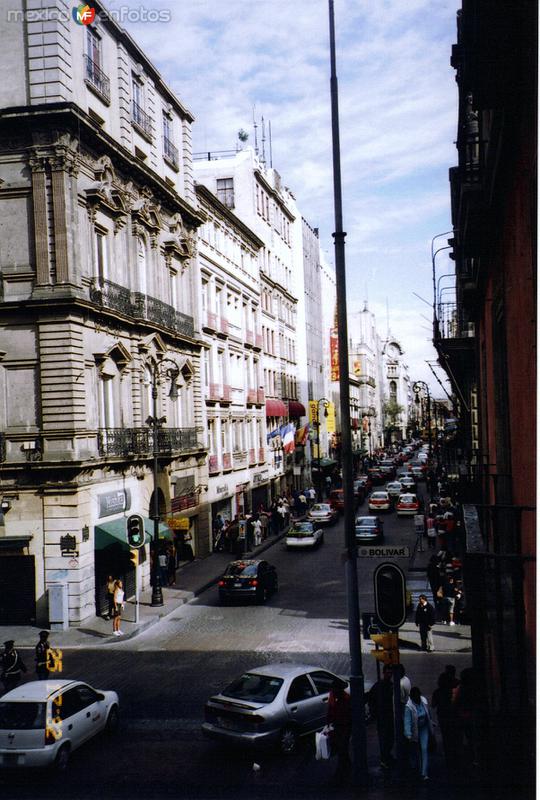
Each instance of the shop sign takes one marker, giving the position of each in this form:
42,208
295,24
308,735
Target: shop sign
222,489
178,523
68,546
260,477
114,502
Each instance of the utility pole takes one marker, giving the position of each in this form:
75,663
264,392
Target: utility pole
360,767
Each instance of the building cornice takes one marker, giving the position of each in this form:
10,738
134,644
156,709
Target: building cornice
221,209
274,193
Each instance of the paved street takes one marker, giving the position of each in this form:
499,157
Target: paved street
165,674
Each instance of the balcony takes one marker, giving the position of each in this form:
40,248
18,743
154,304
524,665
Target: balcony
451,323
140,441
260,397
210,324
258,341
154,310
240,459
368,381
96,79
252,457
262,455
141,120
226,394
170,153
214,393
227,462
249,338
213,465
251,396
111,295
223,327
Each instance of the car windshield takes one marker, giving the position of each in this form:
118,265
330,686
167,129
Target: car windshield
22,716
394,486
379,496
366,522
240,568
407,498
321,507
302,527
254,688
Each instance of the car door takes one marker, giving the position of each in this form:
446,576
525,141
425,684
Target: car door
69,718
94,710
302,704
322,682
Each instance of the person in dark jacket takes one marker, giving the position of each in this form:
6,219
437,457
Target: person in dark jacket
442,703
425,620
339,716
434,577
43,658
12,665
380,699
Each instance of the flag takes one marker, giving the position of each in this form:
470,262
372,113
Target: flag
287,434
271,435
302,434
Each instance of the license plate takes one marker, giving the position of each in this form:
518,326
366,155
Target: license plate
237,585
223,722
10,759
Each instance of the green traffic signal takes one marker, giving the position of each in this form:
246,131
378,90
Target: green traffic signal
135,530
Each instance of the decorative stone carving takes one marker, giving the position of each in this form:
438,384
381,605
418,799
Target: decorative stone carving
146,215
176,244
108,195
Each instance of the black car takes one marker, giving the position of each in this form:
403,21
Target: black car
246,578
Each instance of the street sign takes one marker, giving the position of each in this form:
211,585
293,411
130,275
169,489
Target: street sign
178,523
385,550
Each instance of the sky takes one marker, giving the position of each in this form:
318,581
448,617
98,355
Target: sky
233,60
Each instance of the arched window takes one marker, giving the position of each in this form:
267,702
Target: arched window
393,390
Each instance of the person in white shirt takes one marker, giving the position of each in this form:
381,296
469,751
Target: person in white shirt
118,600
257,531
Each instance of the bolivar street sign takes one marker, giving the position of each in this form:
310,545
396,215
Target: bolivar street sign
384,550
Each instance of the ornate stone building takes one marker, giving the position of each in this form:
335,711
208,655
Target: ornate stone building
98,219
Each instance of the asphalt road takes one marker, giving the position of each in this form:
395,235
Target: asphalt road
164,676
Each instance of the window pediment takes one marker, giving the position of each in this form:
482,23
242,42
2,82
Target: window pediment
114,360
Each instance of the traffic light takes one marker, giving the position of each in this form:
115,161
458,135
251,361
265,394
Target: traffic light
390,600
390,652
135,530
134,557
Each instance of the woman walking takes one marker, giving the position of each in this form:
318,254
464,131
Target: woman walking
118,606
417,728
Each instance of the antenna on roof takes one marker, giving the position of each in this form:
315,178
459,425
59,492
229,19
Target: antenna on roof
263,139
255,132
270,142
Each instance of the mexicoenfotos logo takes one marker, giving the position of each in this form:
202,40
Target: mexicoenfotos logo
83,14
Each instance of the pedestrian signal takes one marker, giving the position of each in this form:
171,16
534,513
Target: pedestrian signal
135,530
390,600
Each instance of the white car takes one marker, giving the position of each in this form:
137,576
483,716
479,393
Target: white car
379,501
304,534
323,513
394,489
42,722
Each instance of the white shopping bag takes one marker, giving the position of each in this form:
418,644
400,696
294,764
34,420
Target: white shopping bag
322,744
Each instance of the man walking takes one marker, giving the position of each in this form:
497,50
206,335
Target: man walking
12,665
425,620
43,657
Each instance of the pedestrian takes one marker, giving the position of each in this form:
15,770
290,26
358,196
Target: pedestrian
434,578
404,686
339,716
263,518
459,603
257,530
442,703
448,600
431,533
418,727
43,657
171,566
12,665
282,511
464,698
425,620
118,606
380,699
217,528
110,594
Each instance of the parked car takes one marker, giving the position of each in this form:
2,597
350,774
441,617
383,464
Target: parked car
408,505
43,722
304,534
379,501
408,483
322,513
394,489
368,530
248,579
271,705
337,500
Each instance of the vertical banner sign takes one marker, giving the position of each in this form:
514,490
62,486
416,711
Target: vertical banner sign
331,418
334,355
313,412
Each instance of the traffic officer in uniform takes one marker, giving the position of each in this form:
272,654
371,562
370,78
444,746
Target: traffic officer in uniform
43,657
12,666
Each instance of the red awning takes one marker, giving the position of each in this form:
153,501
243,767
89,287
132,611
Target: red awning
276,408
296,409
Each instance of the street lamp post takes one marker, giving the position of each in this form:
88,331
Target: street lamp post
319,476
168,369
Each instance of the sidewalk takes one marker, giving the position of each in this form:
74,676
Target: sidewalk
193,578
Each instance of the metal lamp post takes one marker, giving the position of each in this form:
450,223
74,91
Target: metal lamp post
319,476
164,369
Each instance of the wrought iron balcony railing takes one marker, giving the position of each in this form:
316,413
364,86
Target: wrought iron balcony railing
170,152
150,308
140,441
141,119
451,323
111,295
97,78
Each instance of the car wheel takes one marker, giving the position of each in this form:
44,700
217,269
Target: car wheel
288,740
62,758
113,721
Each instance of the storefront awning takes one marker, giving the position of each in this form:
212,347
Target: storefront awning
114,531
296,409
324,462
276,408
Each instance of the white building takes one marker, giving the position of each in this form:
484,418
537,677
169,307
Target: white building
397,392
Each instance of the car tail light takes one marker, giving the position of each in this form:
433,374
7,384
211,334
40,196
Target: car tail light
254,582
50,737
221,583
